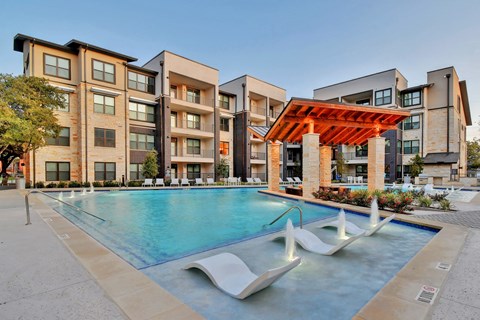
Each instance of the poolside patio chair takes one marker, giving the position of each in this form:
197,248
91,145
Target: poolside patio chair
199,182
407,187
231,181
352,228
231,275
349,179
239,180
159,182
147,183
250,181
280,181
290,180
210,181
298,180
174,182
310,242
360,179
258,180
185,182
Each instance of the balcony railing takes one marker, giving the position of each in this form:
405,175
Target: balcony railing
354,156
193,99
193,153
194,125
258,110
257,156
274,114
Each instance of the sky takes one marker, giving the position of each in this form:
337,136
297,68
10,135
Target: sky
297,45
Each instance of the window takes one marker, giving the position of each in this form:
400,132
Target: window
142,112
105,171
57,171
103,71
407,169
361,170
63,138
412,122
173,146
56,66
411,146
224,124
411,99
193,146
383,97
141,82
66,103
193,121
193,95
361,151
104,137
136,171
224,101
224,148
103,104
173,119
387,146
193,171
398,174
173,92
363,102
399,146
140,141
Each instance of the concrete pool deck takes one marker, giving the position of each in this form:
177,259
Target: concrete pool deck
40,276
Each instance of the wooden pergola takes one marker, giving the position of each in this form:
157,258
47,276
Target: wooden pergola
316,122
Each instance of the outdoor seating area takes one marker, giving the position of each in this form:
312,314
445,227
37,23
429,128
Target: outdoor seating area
352,179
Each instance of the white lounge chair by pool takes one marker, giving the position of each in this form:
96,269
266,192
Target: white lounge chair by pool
232,181
298,180
290,180
210,181
258,180
159,182
352,228
147,183
199,182
185,182
280,181
231,275
250,181
407,187
350,179
174,182
310,242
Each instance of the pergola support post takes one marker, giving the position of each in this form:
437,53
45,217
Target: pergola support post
325,166
273,149
311,163
376,163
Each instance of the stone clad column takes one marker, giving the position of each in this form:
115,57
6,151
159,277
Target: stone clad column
273,166
376,163
311,164
325,166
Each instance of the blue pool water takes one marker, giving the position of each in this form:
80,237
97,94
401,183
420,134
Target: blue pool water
152,227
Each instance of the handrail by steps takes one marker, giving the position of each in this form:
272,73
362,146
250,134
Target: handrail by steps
287,211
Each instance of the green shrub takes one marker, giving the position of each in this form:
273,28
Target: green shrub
135,183
361,197
424,201
86,184
39,185
28,184
51,185
110,183
62,184
97,184
74,184
438,196
445,205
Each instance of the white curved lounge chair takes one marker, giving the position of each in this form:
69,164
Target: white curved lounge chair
352,228
231,275
311,242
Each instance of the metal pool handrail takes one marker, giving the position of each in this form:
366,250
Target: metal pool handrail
287,211
27,207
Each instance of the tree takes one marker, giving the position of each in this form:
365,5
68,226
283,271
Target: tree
341,163
416,165
223,168
150,166
473,154
26,115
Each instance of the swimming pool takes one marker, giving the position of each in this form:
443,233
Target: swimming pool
152,227
153,230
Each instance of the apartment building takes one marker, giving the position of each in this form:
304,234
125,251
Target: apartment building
257,103
429,132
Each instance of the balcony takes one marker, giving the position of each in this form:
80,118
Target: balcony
193,155
194,129
257,157
257,113
274,114
189,103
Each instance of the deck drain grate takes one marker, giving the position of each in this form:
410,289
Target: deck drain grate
443,266
64,236
427,294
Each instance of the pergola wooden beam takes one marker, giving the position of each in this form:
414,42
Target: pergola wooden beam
340,123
